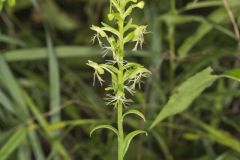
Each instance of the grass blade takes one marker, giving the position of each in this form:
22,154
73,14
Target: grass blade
9,82
13,143
61,51
54,80
217,135
44,124
217,16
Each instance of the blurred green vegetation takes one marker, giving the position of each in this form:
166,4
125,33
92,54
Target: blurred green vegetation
48,104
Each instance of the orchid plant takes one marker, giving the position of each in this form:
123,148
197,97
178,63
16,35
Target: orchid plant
10,3
126,76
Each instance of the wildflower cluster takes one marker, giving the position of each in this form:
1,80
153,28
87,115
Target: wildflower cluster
116,39
10,3
126,76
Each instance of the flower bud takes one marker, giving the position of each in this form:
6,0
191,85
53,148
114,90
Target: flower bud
110,17
140,5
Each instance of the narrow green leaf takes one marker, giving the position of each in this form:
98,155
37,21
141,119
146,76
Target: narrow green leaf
44,124
129,138
218,135
55,16
9,82
36,145
62,124
11,40
232,74
216,17
162,145
54,80
104,127
204,4
13,142
185,94
228,156
6,103
110,29
136,112
61,51
180,19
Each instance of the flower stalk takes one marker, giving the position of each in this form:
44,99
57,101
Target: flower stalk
125,75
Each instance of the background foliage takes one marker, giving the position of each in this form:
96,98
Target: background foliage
48,104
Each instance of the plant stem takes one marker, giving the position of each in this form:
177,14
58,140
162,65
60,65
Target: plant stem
120,91
120,131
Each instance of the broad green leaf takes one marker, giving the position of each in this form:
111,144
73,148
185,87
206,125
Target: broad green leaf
129,138
185,94
136,112
104,127
13,142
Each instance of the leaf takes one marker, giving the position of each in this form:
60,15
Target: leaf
9,82
194,5
35,143
216,17
11,3
11,40
136,112
185,94
110,29
104,127
217,135
129,138
55,16
6,103
72,123
61,51
44,124
180,19
162,145
228,156
54,79
232,74
13,142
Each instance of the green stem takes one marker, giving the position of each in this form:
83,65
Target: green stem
120,132
120,92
